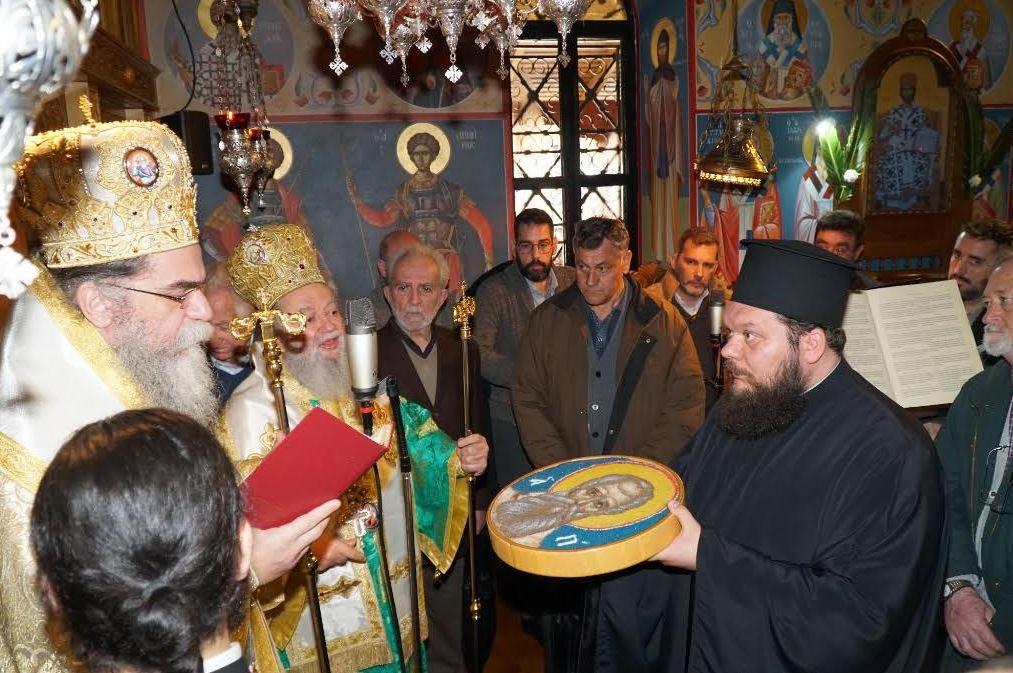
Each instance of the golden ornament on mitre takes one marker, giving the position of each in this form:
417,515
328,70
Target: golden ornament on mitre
106,192
271,261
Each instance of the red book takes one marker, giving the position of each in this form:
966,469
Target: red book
318,460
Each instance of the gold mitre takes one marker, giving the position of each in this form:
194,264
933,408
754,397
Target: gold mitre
106,192
271,261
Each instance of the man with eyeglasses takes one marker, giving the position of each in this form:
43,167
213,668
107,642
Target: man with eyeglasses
230,363
117,319
504,302
602,368
974,447
842,232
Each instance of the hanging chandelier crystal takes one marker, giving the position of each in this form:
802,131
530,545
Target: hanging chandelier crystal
245,152
565,13
335,16
404,25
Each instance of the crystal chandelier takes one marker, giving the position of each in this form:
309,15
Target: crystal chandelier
404,24
46,44
743,155
245,154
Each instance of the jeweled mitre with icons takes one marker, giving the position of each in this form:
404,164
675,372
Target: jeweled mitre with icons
271,261
106,192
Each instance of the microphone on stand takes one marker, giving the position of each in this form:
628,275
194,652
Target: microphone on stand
360,342
717,312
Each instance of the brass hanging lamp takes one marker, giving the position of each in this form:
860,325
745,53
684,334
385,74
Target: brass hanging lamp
737,159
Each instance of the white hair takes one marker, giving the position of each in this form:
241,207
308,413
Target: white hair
421,250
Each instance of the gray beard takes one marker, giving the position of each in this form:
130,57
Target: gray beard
176,377
997,344
783,37
327,379
528,514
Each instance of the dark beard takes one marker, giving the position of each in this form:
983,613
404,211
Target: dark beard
766,409
536,274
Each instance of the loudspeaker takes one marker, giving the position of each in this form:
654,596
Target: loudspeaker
195,130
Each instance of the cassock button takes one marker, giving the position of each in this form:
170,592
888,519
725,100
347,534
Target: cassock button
594,407
597,375
595,435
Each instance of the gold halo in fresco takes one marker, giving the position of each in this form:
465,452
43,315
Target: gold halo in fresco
957,13
204,18
442,157
666,26
286,147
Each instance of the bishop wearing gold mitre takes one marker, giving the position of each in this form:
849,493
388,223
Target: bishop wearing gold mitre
115,320
364,579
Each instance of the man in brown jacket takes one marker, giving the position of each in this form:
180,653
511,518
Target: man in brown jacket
604,368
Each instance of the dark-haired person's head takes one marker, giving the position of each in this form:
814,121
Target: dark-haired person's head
695,262
601,252
779,344
841,232
141,544
979,249
535,244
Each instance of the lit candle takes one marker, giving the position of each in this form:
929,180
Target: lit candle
232,120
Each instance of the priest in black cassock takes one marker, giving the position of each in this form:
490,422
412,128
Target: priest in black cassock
812,533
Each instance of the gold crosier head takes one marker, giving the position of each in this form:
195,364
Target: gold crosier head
106,192
464,310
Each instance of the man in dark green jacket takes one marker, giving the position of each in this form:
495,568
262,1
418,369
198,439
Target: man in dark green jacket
974,447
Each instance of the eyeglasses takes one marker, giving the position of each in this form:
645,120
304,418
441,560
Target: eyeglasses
179,299
528,246
999,500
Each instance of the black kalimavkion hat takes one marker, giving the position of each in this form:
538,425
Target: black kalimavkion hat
796,279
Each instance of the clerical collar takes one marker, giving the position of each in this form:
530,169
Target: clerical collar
825,377
690,309
219,661
410,343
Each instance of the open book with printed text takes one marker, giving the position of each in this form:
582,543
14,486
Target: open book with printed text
913,342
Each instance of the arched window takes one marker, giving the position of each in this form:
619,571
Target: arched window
574,138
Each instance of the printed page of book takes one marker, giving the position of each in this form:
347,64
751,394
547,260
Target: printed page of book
926,339
862,350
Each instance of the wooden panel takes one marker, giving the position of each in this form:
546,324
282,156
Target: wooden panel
922,232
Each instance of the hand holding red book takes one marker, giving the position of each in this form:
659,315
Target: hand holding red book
317,461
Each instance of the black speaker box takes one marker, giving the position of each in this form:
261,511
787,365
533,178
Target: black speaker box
195,130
